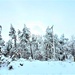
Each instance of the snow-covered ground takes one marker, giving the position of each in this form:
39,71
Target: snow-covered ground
39,68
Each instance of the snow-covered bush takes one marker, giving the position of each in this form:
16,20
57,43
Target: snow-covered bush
4,61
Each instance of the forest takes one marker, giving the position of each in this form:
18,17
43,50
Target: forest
23,44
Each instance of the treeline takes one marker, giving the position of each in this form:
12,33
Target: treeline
47,47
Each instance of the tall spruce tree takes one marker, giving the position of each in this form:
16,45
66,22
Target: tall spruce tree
24,42
12,34
1,40
49,43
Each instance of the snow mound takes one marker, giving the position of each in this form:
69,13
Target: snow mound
25,67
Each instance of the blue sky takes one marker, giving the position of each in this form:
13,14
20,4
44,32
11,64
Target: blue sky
37,15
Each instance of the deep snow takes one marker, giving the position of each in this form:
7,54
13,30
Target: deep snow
35,67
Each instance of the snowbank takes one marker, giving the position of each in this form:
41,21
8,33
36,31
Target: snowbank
39,68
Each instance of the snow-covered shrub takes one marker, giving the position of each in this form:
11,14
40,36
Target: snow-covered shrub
5,61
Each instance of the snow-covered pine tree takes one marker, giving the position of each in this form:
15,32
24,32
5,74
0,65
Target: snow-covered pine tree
71,45
63,47
10,44
8,47
41,50
1,40
1,46
12,34
24,42
49,43
57,46
37,50
33,45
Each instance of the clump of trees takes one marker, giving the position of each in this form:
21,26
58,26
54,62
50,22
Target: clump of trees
47,47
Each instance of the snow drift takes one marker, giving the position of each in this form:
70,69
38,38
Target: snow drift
35,67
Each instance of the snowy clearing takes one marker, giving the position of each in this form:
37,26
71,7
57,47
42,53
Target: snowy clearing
36,67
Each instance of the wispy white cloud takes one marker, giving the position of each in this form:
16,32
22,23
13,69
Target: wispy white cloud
36,27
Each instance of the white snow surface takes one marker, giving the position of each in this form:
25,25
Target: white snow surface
35,67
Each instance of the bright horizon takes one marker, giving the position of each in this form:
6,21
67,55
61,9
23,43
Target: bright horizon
37,15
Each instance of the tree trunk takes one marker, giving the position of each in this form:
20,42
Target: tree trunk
74,58
15,41
46,53
31,52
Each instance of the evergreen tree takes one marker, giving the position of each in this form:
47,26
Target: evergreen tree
24,42
12,34
57,46
1,40
8,47
63,47
72,46
49,43
37,47
33,45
